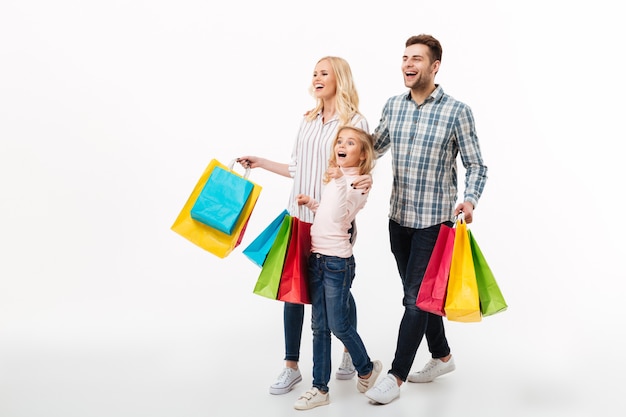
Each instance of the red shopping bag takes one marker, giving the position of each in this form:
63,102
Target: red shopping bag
294,283
432,293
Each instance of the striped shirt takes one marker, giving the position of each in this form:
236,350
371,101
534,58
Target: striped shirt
309,160
425,141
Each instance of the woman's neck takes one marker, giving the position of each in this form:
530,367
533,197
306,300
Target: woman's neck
328,110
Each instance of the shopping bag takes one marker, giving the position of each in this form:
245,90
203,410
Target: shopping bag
489,294
206,237
222,199
432,293
294,282
260,246
462,303
269,278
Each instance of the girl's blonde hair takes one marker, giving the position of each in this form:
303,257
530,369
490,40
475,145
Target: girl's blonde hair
347,98
367,149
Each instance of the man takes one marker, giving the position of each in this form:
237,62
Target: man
425,129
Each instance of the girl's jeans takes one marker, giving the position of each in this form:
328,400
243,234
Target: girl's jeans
330,279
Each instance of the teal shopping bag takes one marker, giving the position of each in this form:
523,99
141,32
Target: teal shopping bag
259,248
269,279
222,199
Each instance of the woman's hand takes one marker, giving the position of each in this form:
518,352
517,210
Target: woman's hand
363,183
250,161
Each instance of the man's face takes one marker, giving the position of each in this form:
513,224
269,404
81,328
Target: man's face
417,68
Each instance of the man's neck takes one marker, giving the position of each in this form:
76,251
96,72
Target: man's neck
420,95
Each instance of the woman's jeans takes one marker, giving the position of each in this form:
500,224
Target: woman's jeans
330,279
412,249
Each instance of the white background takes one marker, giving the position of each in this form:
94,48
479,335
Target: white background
111,110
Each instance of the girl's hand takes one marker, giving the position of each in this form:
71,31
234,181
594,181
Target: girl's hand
302,199
334,172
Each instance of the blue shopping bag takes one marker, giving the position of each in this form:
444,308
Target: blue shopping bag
259,248
204,236
222,199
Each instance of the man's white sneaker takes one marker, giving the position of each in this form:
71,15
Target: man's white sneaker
285,382
385,391
346,369
311,399
433,369
364,384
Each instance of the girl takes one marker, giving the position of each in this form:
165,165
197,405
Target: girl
331,263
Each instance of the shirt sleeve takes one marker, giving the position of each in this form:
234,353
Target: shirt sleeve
293,163
382,140
469,149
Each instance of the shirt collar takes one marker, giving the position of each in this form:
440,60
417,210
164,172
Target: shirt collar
434,96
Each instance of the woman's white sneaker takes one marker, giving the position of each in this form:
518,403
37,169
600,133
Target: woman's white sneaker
346,370
285,382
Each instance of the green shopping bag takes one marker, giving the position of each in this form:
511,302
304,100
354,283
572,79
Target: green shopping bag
489,294
269,279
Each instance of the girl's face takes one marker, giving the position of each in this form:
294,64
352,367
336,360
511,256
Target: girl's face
324,81
348,150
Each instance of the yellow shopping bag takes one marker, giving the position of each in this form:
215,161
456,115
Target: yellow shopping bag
206,237
462,302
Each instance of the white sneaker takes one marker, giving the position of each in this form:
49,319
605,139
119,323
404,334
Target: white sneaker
385,391
311,399
433,369
346,369
285,382
364,384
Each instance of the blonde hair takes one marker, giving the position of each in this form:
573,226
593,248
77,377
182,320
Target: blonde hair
346,97
367,149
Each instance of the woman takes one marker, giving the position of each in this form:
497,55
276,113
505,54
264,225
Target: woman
337,104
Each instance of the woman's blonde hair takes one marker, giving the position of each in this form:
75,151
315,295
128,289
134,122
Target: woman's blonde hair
347,98
367,149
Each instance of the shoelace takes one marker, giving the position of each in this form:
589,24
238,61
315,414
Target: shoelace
387,384
346,362
429,366
285,375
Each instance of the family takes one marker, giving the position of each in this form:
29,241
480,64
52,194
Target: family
331,163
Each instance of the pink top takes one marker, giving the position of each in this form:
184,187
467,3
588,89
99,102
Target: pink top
334,214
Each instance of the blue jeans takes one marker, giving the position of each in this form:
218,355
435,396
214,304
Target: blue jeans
330,279
293,319
412,249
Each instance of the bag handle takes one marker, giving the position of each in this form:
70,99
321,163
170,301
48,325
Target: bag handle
459,218
231,165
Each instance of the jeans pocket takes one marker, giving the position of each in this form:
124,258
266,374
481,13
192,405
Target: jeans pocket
335,265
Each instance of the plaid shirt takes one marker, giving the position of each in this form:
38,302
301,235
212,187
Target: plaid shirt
425,141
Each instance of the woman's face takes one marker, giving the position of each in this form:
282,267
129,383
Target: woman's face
324,81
